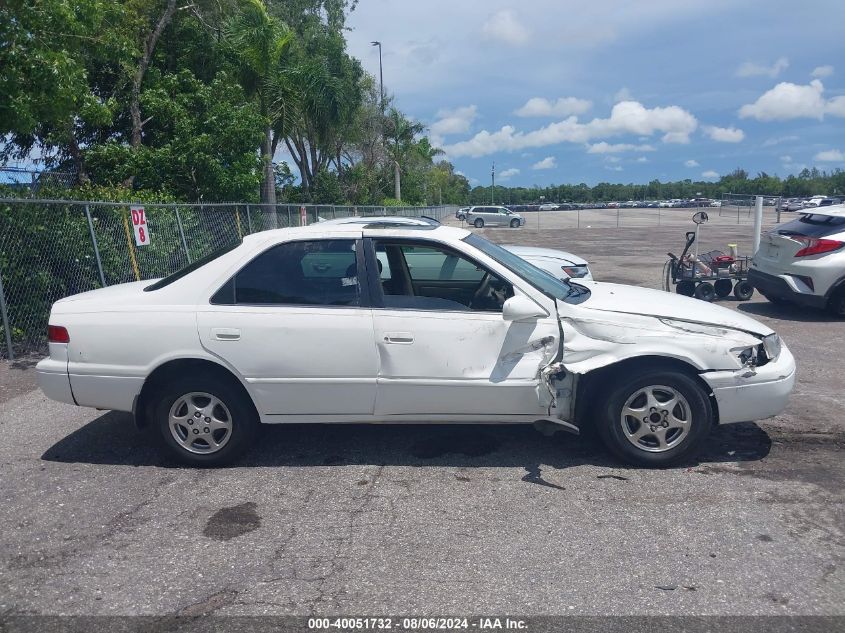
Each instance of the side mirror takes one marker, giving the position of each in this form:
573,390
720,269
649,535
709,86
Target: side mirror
519,308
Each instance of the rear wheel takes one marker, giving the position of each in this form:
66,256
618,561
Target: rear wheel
705,291
723,287
204,420
743,290
479,223
514,224
655,419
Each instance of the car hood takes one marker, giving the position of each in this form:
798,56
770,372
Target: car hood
623,299
545,253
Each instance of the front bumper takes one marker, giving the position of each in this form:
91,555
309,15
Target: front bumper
745,395
54,380
783,287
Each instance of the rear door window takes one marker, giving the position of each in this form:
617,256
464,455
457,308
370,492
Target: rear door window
316,273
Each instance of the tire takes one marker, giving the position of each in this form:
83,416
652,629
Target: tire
723,287
460,217
689,421
233,423
514,224
743,290
479,223
836,304
686,288
705,291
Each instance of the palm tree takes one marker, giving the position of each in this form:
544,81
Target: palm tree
401,133
260,41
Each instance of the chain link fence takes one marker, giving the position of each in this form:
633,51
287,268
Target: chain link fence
741,206
50,249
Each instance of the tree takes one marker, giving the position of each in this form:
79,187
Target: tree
259,41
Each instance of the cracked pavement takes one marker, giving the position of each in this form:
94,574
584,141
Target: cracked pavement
350,519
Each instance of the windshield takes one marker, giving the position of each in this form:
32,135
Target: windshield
202,261
540,279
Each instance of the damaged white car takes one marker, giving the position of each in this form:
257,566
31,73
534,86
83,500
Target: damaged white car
398,323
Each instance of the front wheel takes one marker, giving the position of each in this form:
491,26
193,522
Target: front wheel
203,420
743,290
656,419
479,223
514,224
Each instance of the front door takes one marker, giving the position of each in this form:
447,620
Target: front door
292,322
443,345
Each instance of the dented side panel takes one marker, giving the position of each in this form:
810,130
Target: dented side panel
461,363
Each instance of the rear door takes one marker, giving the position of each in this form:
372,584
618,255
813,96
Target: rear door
295,324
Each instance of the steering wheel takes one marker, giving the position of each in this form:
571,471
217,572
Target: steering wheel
489,295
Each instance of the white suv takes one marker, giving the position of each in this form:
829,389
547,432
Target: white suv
493,216
803,261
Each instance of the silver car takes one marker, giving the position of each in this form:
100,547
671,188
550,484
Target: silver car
493,216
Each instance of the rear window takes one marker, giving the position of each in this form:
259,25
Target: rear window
813,225
199,263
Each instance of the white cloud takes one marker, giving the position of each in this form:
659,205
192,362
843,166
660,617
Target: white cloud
794,101
830,156
819,72
751,69
623,94
786,158
612,159
642,159
614,168
777,140
709,174
610,148
628,117
547,163
564,106
504,26
724,134
691,163
508,173
455,121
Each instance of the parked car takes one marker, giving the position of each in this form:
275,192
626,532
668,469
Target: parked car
461,213
795,205
560,264
493,216
406,323
549,207
803,261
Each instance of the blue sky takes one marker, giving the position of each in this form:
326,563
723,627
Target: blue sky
603,90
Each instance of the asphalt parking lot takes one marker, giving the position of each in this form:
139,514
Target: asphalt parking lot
439,519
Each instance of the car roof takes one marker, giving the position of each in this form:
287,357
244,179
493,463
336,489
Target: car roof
834,210
394,229
382,219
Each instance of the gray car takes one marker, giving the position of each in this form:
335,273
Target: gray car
493,216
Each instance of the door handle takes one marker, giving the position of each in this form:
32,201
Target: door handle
399,338
225,334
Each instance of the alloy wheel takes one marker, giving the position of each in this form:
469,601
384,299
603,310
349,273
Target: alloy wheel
656,418
200,423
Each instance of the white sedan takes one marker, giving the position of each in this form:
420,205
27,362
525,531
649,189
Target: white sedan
561,264
392,322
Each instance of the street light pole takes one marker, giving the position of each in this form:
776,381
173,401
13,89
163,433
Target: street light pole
380,75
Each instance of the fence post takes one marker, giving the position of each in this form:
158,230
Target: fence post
248,219
96,247
182,232
6,327
617,217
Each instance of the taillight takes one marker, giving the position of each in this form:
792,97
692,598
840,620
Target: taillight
57,334
816,245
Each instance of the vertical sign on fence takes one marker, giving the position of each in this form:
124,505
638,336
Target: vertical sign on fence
303,216
139,225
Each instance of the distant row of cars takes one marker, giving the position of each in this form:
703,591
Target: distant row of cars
799,204
629,204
